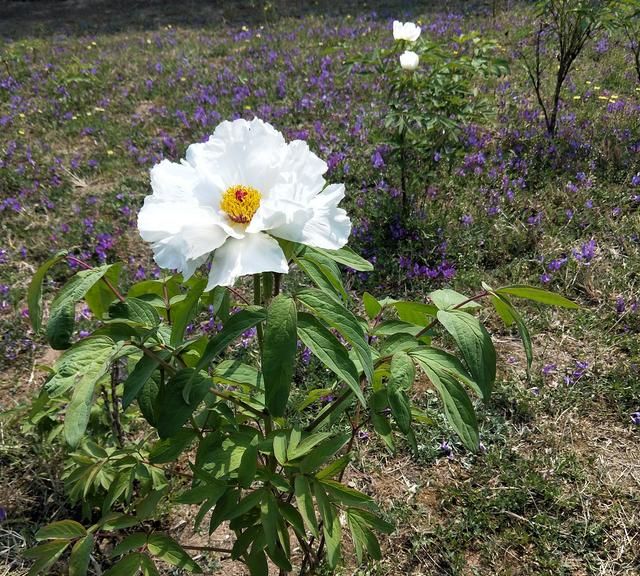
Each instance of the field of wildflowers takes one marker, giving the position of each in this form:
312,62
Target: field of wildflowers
89,104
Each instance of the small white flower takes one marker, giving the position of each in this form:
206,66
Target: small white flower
409,60
407,31
233,196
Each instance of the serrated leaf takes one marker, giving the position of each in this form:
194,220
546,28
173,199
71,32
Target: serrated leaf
278,353
34,294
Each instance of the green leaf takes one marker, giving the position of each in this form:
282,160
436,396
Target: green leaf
323,277
334,468
248,465
234,327
235,373
80,556
137,311
88,360
401,409
292,517
183,312
139,376
79,409
506,310
148,399
305,446
62,314
345,495
148,567
45,555
278,353
328,349
99,297
130,542
169,449
371,306
392,327
115,521
372,520
147,507
457,406
537,295
211,491
349,258
304,500
62,530
34,294
127,566
402,372
269,519
476,346
173,410
323,452
415,312
447,299
257,563
171,552
363,537
338,317
330,525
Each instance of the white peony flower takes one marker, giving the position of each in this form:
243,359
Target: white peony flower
407,31
409,60
233,196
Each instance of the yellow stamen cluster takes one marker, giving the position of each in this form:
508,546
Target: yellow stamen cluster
240,203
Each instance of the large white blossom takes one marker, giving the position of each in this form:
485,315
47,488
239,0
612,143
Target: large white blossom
407,31
409,60
233,196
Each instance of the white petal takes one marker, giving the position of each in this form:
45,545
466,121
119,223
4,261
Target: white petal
397,30
240,152
179,232
252,254
329,226
173,182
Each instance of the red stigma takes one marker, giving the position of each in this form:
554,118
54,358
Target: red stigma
240,195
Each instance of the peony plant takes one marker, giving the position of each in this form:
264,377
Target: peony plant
432,94
157,414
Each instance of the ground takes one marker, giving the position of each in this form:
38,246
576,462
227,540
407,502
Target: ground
92,94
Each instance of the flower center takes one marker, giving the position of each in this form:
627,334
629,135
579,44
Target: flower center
240,203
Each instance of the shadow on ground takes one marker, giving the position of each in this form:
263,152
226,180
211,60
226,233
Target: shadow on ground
41,18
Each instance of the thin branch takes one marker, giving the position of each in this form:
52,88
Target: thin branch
86,266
